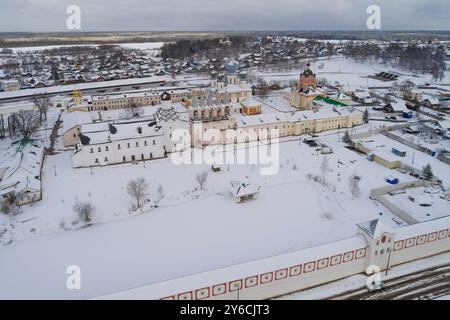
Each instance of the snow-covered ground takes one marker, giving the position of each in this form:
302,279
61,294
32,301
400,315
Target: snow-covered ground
202,230
137,45
347,73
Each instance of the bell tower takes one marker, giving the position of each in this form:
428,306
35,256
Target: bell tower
307,79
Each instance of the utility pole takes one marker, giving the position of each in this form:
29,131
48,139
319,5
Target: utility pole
389,258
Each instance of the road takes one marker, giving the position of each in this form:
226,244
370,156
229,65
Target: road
426,284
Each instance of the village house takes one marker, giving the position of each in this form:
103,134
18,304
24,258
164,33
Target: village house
10,85
242,191
432,102
20,171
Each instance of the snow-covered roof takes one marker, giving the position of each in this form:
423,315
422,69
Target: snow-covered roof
250,102
433,100
268,118
243,188
399,106
362,94
22,162
119,130
375,228
75,118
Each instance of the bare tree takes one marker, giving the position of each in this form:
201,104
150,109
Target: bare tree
41,102
160,192
353,183
9,207
137,189
84,210
132,111
201,179
26,122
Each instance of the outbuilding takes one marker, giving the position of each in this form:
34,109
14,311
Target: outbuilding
242,191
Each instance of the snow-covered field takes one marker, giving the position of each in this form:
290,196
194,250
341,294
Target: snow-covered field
347,73
137,45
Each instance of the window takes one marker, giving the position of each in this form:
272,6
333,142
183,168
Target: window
145,142
96,160
92,150
124,159
99,149
106,148
106,159
118,146
128,145
154,142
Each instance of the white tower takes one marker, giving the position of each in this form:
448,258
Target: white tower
380,237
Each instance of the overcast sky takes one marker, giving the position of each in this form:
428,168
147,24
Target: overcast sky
233,15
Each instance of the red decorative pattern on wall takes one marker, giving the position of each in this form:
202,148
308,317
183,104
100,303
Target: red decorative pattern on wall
300,269
235,285
421,240
432,237
219,289
398,245
360,253
409,242
185,296
266,277
202,293
335,260
309,267
322,263
348,256
251,281
281,274
295,270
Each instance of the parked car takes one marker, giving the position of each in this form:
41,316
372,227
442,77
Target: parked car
326,150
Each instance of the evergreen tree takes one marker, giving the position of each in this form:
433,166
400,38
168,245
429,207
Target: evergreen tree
366,116
346,138
427,172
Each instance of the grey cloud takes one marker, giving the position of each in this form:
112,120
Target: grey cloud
196,15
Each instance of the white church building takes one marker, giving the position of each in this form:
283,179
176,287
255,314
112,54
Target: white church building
122,141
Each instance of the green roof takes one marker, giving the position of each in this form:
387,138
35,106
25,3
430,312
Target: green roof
331,101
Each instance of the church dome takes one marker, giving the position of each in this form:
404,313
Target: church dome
166,96
307,73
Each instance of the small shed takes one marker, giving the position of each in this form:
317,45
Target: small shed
242,191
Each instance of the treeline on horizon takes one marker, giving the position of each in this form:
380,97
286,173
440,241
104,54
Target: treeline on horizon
7,39
206,47
416,58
